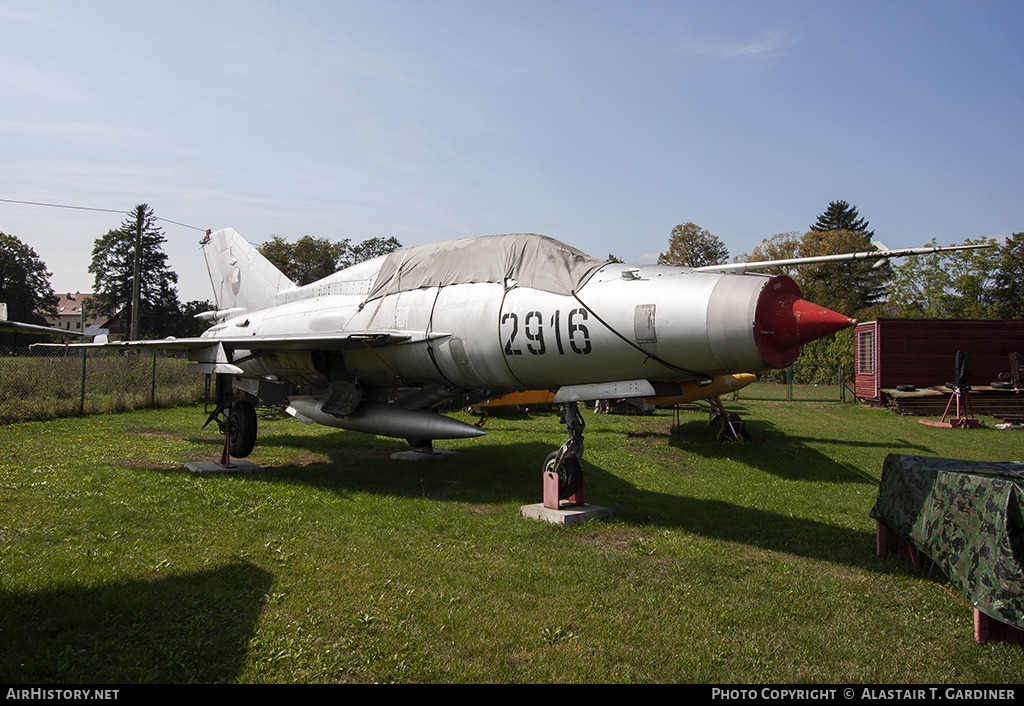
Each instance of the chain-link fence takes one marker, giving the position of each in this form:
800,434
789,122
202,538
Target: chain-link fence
44,383
799,383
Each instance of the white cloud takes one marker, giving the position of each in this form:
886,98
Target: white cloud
769,44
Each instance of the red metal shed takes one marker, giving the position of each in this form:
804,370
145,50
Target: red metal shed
922,352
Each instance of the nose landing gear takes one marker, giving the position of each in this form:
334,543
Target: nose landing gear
563,473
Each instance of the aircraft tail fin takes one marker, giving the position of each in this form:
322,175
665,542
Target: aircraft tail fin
241,277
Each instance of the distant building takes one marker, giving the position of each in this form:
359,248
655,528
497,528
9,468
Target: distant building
890,354
73,313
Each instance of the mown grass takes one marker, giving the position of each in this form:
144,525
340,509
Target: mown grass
724,563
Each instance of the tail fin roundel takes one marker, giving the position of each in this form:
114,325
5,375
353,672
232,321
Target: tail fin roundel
241,277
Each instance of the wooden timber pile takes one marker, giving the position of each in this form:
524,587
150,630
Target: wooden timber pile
931,402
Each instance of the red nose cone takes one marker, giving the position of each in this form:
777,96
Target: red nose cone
784,321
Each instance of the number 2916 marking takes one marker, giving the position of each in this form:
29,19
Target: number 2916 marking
576,332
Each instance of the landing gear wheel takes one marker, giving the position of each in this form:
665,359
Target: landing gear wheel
570,473
732,428
241,429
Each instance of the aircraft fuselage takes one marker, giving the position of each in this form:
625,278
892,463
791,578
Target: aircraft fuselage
627,322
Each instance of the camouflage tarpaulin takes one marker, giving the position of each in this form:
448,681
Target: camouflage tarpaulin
968,517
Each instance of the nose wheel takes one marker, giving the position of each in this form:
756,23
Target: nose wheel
567,471
562,470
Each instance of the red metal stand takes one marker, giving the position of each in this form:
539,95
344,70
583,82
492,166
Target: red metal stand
225,456
888,542
964,412
987,628
551,499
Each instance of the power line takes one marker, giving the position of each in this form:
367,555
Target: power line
100,210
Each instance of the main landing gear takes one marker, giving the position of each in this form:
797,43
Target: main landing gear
563,473
730,426
236,419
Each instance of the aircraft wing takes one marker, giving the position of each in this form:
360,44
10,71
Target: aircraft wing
880,255
18,327
320,341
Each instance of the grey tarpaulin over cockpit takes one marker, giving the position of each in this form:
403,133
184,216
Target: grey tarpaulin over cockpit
530,260
968,517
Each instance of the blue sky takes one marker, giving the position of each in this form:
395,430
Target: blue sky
603,124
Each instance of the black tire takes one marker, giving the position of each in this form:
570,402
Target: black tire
241,429
905,388
1001,385
570,475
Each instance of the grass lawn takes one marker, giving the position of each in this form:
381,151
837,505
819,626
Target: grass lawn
735,563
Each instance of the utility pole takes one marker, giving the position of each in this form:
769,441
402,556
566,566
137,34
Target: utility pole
136,283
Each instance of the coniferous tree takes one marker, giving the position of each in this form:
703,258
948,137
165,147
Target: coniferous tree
853,288
842,216
112,267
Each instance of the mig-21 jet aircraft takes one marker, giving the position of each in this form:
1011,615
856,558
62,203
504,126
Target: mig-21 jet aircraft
377,346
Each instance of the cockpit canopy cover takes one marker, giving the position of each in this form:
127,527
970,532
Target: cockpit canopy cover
529,260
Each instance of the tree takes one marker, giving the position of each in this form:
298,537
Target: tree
279,252
971,276
310,258
1008,281
849,287
918,287
692,246
842,216
24,282
306,260
371,248
946,285
781,246
190,326
853,288
113,265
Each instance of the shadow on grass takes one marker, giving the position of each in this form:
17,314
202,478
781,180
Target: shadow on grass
480,475
784,455
188,628
729,522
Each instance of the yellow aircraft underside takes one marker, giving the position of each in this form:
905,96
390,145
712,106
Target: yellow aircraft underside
691,391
